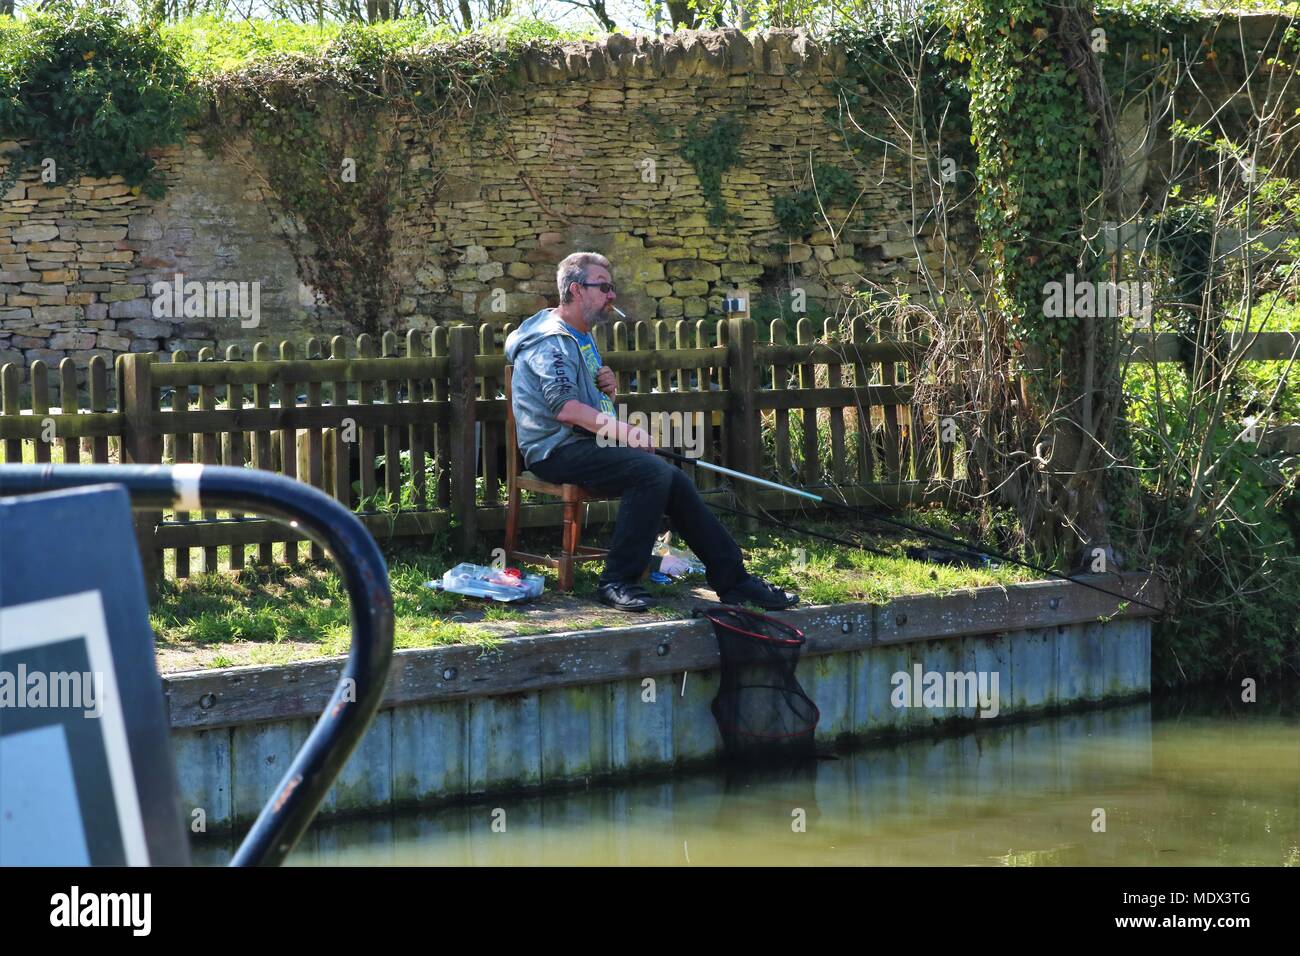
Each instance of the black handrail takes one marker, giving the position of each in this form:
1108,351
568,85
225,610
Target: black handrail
356,698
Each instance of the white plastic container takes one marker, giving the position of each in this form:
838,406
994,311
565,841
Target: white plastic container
479,581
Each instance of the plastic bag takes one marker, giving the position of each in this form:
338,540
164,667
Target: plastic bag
676,562
475,580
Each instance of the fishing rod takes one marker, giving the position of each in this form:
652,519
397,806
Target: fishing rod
917,529
842,542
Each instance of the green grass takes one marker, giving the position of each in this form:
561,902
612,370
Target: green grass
279,614
211,45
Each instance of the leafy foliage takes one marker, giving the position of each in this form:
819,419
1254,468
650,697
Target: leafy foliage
711,153
1030,131
326,148
796,212
92,91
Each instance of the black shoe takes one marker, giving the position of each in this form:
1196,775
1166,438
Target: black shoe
754,590
625,597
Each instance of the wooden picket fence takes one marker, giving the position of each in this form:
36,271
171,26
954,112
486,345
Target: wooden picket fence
411,434
412,437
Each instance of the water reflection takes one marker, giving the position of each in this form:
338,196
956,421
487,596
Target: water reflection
1180,782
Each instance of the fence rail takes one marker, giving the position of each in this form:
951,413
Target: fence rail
411,434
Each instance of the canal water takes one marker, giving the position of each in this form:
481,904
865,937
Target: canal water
1186,781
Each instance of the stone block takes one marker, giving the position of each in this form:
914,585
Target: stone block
671,307
72,340
57,313
842,267
48,356
123,293
131,309
40,232
189,346
100,233
430,275
738,252
898,249
46,291
109,340
510,305
687,287
146,328
692,269
538,287
83,356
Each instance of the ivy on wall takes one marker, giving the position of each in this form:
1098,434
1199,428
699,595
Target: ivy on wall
710,150
92,92
328,146
1037,163
796,212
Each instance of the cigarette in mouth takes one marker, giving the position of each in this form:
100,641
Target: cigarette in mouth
621,313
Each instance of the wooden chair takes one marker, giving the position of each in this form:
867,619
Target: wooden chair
573,497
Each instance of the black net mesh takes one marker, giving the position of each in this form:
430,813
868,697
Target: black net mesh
762,712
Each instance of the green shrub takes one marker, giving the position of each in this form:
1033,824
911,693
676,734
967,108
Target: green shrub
91,91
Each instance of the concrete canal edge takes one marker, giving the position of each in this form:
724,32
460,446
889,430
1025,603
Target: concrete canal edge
560,710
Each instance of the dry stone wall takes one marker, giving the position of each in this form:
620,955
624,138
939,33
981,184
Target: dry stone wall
79,262
584,164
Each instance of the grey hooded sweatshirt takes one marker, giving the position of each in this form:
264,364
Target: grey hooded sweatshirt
549,370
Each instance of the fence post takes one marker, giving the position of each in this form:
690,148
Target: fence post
137,402
462,392
743,442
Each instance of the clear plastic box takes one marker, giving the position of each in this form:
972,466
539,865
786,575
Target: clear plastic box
498,585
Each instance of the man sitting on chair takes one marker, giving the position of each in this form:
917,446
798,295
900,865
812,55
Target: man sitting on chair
563,398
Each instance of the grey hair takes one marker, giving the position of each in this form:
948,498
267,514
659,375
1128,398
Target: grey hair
573,268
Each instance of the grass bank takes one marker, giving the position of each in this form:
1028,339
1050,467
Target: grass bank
282,614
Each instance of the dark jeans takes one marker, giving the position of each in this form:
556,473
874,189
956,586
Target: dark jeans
650,488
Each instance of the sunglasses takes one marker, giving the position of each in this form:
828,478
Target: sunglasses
605,287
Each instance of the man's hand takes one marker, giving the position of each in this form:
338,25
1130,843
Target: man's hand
606,381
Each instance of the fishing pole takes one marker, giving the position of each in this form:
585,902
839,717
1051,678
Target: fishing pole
917,529
771,519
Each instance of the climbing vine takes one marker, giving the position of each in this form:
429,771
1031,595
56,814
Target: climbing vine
1039,164
902,61
92,92
710,151
328,144
796,212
